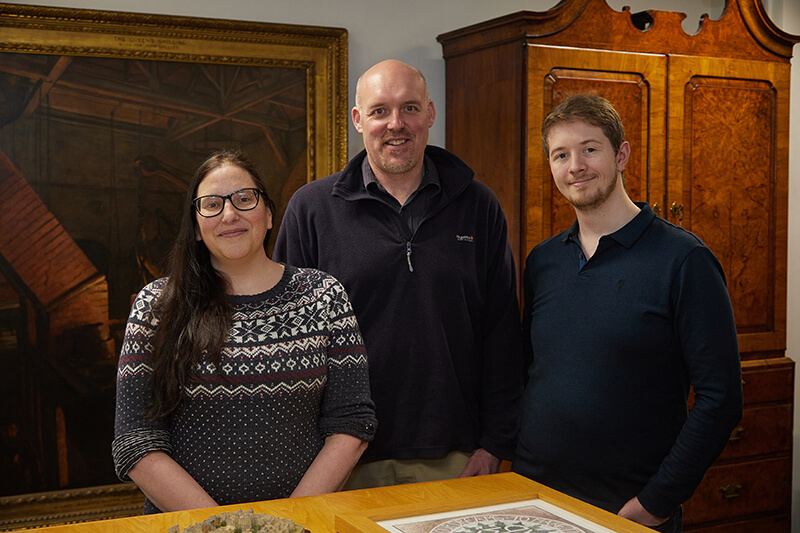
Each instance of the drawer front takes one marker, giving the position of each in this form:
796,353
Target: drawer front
779,524
741,489
765,381
762,430
768,380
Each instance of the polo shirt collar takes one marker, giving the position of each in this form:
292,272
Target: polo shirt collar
430,175
628,234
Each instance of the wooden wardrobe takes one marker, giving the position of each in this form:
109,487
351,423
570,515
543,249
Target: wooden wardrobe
707,116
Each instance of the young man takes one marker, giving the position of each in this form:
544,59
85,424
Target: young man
422,250
624,312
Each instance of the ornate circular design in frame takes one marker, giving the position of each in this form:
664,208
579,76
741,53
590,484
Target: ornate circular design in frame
505,523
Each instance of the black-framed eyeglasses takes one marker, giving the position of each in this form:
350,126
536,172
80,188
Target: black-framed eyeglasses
212,205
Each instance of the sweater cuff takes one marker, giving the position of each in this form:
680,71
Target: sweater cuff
362,428
656,504
505,452
129,448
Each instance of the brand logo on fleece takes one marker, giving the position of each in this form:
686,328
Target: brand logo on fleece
465,238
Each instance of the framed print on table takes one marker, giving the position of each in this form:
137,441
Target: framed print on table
104,117
535,511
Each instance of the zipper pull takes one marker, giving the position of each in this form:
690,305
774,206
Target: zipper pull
408,256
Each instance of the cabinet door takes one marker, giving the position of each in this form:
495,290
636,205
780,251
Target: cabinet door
484,126
727,182
634,83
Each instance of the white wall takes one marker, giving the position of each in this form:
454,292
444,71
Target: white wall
786,14
379,29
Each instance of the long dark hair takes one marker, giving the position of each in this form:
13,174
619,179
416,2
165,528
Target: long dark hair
193,310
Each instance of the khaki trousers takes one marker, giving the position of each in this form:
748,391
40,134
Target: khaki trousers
402,471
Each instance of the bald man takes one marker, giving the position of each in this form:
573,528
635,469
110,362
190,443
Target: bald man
422,249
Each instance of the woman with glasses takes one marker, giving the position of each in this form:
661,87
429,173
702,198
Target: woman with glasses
240,379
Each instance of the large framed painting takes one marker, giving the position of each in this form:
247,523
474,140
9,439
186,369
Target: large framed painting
104,117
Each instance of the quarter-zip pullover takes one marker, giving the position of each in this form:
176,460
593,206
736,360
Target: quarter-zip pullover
437,308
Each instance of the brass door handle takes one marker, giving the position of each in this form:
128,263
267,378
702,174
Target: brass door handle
736,434
656,208
731,491
677,211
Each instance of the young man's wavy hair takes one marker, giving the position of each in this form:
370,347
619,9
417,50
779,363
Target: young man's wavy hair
193,310
595,110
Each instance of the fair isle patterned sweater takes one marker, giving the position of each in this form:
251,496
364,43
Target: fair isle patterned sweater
293,371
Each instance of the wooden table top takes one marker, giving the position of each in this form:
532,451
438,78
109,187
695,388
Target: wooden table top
355,511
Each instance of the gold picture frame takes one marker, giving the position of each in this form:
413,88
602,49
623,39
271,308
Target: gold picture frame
278,86
320,51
